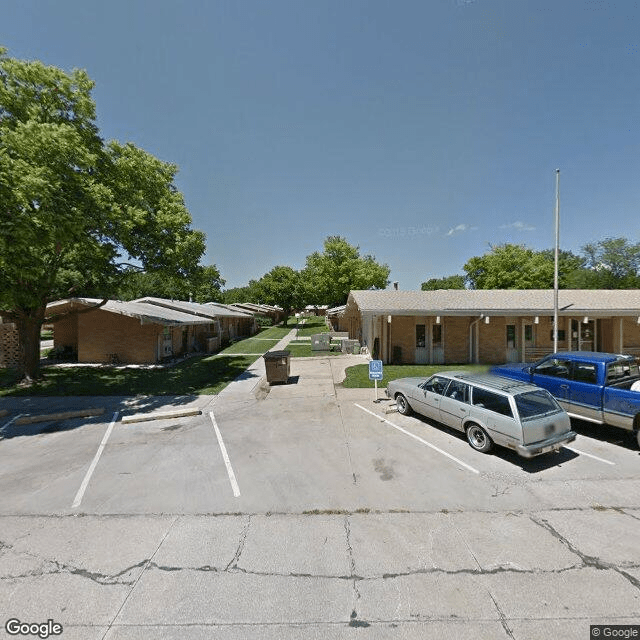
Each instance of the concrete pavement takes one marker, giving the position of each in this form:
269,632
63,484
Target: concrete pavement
344,527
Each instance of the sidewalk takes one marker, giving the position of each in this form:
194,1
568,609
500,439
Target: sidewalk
246,383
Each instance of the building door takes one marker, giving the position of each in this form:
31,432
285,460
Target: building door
437,345
582,335
422,352
512,343
166,342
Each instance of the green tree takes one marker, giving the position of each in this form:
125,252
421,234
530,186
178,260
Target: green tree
204,284
612,263
249,293
76,213
448,282
570,268
281,287
510,266
329,276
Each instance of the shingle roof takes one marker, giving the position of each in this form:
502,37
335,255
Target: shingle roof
147,313
210,310
498,301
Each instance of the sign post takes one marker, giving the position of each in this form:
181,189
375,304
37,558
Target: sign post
375,374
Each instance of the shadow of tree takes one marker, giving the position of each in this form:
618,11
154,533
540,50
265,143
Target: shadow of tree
206,375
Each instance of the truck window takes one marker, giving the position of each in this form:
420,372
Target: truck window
622,369
492,401
556,367
585,372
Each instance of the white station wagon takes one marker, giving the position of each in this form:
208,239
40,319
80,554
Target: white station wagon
489,409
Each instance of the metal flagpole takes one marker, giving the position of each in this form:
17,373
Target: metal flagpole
555,269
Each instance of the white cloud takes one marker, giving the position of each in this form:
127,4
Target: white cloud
461,228
518,226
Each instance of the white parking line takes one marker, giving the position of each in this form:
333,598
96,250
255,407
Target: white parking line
94,463
4,426
225,457
395,426
589,455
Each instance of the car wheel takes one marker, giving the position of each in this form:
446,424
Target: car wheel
402,405
478,438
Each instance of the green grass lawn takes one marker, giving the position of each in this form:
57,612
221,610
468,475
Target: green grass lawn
276,333
358,375
313,325
251,345
200,375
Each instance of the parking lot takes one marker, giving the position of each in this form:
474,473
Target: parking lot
307,511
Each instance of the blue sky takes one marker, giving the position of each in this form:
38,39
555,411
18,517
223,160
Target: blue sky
421,131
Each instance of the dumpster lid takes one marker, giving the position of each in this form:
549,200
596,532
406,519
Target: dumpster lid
272,355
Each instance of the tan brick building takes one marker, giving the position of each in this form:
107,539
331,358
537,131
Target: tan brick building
129,332
490,326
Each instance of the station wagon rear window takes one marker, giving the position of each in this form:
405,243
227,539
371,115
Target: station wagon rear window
492,401
535,404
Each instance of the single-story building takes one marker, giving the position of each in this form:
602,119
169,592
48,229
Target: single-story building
275,313
316,309
335,316
128,332
490,326
228,323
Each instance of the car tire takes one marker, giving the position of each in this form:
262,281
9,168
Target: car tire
638,438
403,405
478,438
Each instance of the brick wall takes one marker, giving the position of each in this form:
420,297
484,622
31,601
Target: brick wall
65,332
101,333
631,333
455,335
9,345
403,335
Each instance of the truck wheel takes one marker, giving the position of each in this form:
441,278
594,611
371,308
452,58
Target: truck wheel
402,405
478,438
638,437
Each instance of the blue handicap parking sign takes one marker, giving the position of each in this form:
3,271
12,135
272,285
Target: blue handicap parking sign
375,370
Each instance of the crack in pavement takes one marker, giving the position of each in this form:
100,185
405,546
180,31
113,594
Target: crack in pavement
233,563
588,561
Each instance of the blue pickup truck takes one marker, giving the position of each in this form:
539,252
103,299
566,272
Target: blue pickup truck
588,385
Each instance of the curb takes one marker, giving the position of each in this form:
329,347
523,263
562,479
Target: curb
63,415
183,413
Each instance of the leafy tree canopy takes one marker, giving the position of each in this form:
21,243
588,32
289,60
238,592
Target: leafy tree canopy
281,287
510,266
329,276
76,212
448,282
204,284
612,263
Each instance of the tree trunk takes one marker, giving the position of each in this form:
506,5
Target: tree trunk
29,327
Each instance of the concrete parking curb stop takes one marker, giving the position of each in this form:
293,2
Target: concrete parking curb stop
167,415
61,415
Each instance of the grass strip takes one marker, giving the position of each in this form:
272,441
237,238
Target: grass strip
201,375
358,375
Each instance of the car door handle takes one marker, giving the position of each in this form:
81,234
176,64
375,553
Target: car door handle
564,386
